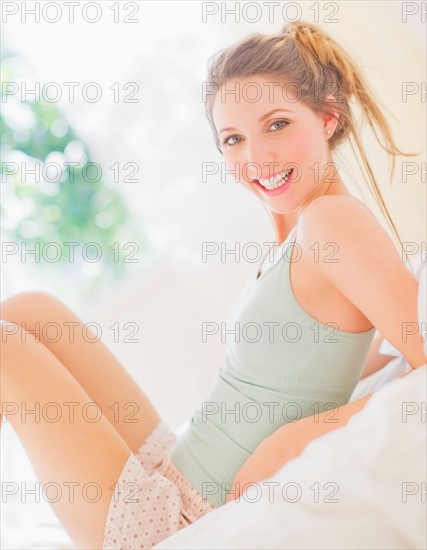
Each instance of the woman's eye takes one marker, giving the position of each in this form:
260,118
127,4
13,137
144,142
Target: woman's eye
226,140
278,121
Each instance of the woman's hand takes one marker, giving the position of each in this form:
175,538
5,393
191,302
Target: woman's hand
267,459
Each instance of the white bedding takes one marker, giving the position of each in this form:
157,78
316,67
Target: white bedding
370,460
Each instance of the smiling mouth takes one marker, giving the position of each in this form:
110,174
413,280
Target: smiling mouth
283,186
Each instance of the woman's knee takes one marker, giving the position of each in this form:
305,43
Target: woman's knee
25,308
14,335
27,296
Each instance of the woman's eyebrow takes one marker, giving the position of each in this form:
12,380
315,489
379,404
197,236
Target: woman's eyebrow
260,120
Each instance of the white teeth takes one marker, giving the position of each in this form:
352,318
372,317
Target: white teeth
276,181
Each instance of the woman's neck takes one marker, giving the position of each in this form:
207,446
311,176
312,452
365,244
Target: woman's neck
284,223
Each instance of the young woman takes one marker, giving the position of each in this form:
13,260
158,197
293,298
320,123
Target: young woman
134,484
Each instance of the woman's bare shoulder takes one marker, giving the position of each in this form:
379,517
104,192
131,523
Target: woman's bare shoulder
346,203
335,219
367,269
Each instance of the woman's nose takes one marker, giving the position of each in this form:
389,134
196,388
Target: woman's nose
259,161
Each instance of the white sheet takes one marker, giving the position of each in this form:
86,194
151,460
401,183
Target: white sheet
370,459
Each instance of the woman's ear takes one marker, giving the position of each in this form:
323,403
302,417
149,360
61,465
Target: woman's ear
331,118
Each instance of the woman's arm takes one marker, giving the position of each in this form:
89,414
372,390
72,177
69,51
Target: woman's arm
289,441
375,360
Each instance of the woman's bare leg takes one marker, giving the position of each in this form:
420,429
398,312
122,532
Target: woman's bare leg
74,449
90,362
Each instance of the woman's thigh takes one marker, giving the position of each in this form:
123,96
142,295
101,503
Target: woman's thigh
70,445
91,363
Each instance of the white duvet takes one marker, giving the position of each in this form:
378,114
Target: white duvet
359,486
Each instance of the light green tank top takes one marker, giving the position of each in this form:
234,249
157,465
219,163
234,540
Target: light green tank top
280,365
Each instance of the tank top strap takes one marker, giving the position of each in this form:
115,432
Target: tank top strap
278,257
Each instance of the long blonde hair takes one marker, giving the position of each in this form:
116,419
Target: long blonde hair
306,56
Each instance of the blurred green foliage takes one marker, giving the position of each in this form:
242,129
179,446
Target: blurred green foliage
74,209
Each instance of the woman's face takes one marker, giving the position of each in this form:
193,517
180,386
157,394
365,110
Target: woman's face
258,144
